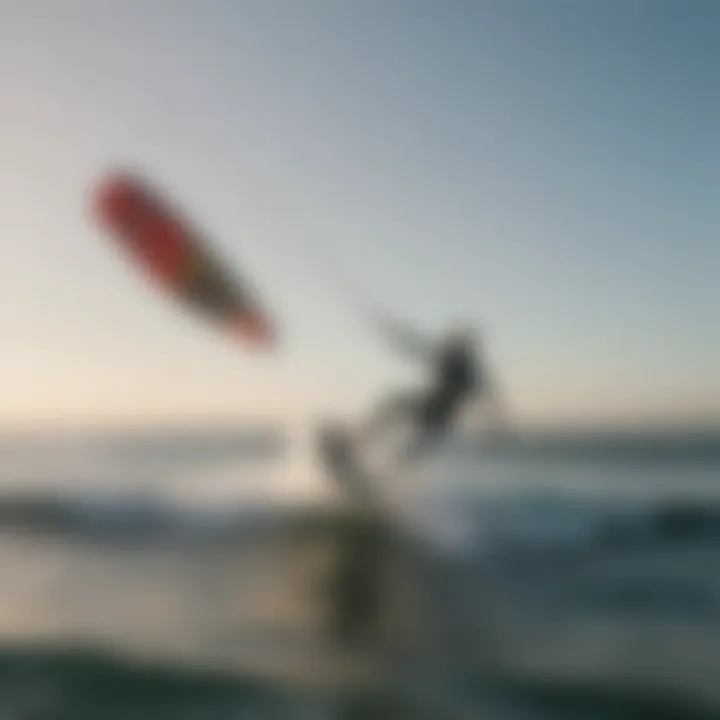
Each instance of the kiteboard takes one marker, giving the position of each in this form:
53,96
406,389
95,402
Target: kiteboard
176,257
345,468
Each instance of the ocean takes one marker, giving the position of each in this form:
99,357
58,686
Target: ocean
181,576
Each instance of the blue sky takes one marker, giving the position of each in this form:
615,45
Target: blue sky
547,169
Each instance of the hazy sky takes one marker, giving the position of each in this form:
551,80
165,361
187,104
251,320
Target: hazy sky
548,169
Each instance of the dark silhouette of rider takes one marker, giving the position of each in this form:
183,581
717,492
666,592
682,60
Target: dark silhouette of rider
458,376
357,589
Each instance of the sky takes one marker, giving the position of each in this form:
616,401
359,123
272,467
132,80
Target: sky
546,169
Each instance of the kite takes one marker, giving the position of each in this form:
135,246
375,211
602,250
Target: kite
176,257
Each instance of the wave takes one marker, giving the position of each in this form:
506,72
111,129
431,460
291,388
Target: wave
518,521
540,524
123,516
86,684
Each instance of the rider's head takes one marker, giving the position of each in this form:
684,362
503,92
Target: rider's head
463,337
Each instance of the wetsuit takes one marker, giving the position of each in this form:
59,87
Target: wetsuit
456,379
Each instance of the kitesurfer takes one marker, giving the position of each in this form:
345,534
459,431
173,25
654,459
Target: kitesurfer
458,377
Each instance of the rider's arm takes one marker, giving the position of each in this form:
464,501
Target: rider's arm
404,339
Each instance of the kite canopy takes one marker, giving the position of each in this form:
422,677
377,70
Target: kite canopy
176,257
